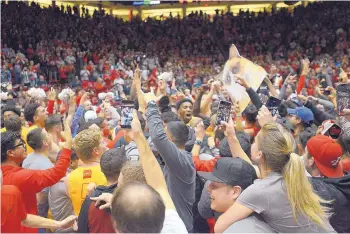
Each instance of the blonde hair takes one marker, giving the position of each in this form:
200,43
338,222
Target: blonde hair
133,171
85,142
277,145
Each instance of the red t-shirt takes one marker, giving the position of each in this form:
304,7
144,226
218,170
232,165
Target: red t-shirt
62,72
31,182
99,220
12,209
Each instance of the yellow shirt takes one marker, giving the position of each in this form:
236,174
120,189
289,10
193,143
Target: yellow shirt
210,131
78,181
24,134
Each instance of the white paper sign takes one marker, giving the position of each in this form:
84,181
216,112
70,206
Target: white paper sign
252,73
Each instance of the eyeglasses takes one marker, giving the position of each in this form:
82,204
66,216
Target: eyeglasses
18,145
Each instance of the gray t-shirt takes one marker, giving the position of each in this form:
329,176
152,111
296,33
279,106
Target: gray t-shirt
36,161
252,224
268,197
60,204
179,170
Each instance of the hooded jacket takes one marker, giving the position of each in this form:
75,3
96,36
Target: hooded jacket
93,220
336,190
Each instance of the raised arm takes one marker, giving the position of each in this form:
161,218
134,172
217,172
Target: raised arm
51,103
254,97
208,99
78,114
153,172
235,146
135,83
71,110
304,72
197,104
40,179
167,149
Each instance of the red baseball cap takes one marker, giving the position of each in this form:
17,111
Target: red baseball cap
327,154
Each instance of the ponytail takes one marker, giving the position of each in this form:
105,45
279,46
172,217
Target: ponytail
277,146
300,194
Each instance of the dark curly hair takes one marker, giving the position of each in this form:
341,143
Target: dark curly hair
11,108
8,140
29,111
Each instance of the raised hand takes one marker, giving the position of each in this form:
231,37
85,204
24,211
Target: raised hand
135,123
264,116
148,97
84,98
305,66
242,82
199,130
229,128
303,99
52,94
290,79
67,136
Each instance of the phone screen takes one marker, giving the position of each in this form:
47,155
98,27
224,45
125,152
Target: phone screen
272,104
224,111
343,98
126,113
334,131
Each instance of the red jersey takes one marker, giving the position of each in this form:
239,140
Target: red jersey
31,182
13,211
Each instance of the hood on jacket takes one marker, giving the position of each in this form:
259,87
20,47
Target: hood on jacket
342,184
337,192
103,189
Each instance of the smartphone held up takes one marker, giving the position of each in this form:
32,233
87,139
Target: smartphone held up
224,111
343,98
127,108
272,104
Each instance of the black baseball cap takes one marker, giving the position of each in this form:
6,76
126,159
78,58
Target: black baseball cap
231,171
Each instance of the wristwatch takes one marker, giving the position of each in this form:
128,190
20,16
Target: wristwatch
198,142
152,102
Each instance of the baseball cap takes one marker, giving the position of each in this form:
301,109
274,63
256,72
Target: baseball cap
305,114
327,154
231,171
90,115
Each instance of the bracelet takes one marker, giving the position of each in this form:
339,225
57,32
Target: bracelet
198,142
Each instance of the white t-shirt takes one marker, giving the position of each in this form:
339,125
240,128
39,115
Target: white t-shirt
173,223
84,74
130,73
144,74
70,59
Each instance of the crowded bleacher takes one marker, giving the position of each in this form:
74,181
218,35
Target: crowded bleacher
122,126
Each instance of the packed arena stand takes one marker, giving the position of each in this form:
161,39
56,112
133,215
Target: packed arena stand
116,126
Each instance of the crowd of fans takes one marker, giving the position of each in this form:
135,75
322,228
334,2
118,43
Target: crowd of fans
67,164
